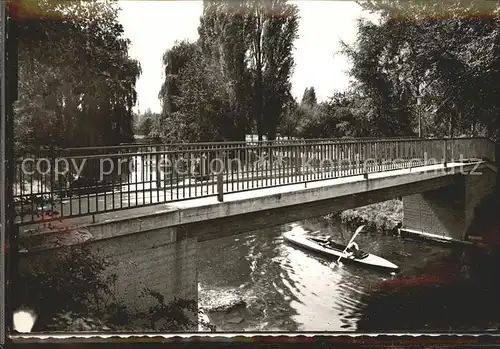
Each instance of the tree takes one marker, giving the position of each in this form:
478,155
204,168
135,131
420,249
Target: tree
204,103
309,97
223,36
145,126
291,118
342,115
196,104
447,51
389,97
237,73
274,26
174,61
83,101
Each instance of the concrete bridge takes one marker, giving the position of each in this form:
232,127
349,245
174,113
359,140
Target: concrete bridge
149,224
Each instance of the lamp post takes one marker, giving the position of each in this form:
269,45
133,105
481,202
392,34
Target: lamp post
419,111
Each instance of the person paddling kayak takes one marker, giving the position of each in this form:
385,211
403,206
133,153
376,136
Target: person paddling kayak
353,249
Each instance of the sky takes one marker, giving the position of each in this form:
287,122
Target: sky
155,26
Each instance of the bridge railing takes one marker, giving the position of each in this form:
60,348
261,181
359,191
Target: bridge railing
72,184
154,147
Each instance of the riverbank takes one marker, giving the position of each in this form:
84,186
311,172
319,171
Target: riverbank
383,217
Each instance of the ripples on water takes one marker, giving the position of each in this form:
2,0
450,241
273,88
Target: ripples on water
289,289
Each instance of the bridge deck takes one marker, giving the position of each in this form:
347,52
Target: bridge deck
69,223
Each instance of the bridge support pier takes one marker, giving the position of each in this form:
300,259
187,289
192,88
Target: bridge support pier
446,213
161,260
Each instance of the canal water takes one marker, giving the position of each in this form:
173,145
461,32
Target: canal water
257,282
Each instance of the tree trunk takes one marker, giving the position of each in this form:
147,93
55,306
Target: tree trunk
258,102
259,97
271,135
452,126
272,124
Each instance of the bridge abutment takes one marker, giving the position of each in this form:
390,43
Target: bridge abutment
161,260
447,212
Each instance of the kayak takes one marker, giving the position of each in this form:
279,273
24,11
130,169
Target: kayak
325,246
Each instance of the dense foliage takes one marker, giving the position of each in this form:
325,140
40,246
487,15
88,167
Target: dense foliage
145,124
447,53
235,78
76,81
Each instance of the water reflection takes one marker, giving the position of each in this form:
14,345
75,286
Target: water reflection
286,288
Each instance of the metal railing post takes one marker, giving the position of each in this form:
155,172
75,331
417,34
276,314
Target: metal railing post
157,167
422,153
445,151
270,156
366,155
220,176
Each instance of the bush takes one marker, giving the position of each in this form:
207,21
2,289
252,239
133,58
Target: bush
382,217
176,316
71,281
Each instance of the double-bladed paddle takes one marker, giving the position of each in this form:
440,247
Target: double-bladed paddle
360,228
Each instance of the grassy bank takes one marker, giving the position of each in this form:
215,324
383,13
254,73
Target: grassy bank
383,217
